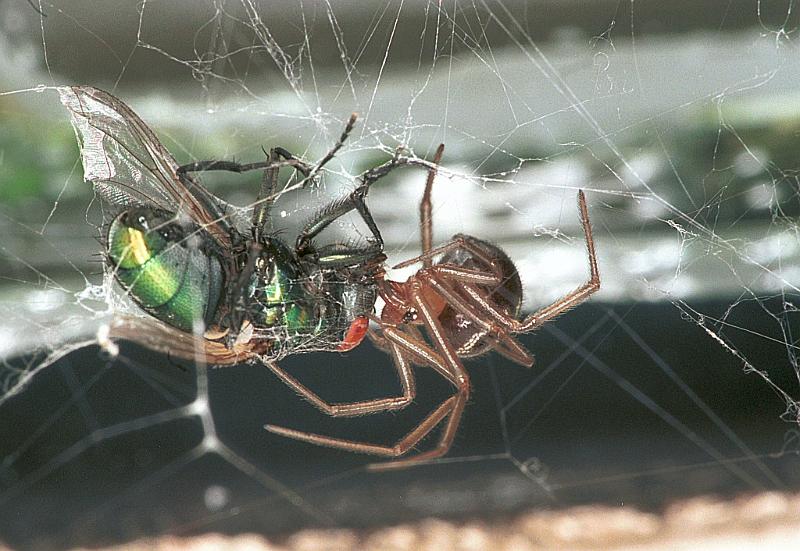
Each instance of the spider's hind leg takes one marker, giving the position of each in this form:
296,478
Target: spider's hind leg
568,301
450,282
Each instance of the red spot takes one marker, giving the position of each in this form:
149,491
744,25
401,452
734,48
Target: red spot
355,334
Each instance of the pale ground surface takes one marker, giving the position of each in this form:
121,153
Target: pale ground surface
769,521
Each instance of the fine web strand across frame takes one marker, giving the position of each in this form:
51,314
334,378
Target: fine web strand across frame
681,372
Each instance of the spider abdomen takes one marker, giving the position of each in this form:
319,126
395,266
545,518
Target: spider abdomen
468,338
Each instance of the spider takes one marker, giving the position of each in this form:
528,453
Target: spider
468,301
221,286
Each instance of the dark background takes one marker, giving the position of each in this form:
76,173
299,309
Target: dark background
575,437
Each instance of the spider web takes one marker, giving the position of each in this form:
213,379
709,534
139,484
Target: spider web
679,377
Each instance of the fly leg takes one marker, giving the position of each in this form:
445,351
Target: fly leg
357,201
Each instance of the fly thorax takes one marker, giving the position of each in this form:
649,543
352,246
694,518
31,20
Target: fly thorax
346,301
358,299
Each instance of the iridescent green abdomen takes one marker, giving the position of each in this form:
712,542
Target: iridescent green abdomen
155,260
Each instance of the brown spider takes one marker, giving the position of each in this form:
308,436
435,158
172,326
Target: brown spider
468,302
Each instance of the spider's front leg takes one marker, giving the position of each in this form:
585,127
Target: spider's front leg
444,359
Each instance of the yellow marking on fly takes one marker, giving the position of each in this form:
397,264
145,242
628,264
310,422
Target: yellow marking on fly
137,247
274,291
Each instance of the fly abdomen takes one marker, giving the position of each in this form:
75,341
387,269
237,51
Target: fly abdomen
162,269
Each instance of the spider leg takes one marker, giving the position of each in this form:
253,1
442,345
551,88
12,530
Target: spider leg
458,242
402,446
581,293
352,409
382,343
459,378
425,210
566,302
378,340
401,346
447,364
438,278
444,277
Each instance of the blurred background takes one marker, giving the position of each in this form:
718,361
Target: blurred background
678,379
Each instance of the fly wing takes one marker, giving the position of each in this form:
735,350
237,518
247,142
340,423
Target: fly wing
127,164
163,338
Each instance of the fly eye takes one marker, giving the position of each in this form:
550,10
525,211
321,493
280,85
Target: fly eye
136,219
